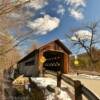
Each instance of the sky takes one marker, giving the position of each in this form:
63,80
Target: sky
53,19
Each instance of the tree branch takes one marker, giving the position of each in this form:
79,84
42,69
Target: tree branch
5,10
18,43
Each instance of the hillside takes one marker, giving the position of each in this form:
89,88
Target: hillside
85,62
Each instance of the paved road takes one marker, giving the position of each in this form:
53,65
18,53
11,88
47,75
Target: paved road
91,82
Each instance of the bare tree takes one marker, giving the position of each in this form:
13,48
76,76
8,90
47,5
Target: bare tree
34,46
87,37
7,22
8,5
11,57
20,20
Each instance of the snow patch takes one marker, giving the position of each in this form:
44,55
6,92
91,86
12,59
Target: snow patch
57,95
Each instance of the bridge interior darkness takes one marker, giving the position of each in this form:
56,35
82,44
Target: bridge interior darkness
54,61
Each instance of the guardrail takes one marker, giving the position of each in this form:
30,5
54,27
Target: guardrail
79,88
88,94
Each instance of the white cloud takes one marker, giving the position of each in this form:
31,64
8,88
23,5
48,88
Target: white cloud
75,3
42,12
37,4
77,14
74,38
74,8
63,40
44,24
82,34
61,10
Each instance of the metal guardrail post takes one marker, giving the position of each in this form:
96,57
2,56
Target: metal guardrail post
78,90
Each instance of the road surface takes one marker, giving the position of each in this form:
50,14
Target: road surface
91,82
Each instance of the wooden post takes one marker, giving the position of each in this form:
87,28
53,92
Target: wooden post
78,92
59,74
43,71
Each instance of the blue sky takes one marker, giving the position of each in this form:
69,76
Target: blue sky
65,15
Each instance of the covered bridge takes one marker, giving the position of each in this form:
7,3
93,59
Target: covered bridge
55,54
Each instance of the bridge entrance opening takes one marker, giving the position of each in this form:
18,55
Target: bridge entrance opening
54,61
